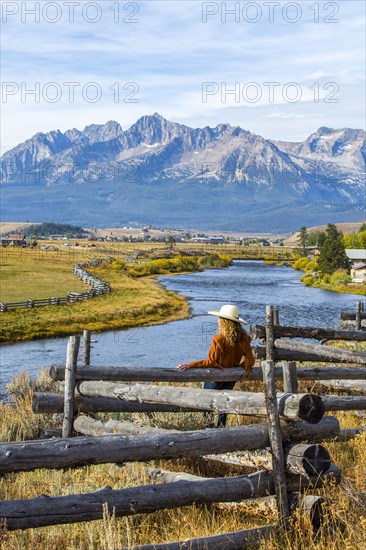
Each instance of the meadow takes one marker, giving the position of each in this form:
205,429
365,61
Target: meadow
136,299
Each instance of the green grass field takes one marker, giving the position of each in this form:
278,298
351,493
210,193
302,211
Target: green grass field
39,273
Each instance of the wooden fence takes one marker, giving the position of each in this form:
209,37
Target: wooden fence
356,319
99,287
287,465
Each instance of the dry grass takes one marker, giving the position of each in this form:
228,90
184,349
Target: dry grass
344,528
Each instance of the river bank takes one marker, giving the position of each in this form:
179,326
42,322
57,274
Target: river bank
339,281
137,299
250,284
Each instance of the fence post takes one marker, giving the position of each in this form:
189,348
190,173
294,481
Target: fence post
86,348
70,376
276,317
290,377
275,438
358,316
269,334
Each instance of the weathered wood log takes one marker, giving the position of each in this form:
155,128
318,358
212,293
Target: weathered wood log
152,374
304,459
86,348
356,385
344,403
300,458
289,377
291,355
269,334
63,453
90,426
53,403
236,540
322,352
156,374
307,407
166,476
259,331
275,435
351,315
70,371
45,510
358,315
306,502
307,459
345,434
310,506
331,372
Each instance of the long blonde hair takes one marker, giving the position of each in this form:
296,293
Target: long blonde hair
232,330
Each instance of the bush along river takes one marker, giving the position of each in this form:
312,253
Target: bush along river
250,284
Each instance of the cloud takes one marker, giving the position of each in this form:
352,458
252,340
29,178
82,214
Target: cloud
168,52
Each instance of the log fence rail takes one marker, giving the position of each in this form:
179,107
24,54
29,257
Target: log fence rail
99,388
99,287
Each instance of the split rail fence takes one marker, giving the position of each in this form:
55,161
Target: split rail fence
99,287
286,446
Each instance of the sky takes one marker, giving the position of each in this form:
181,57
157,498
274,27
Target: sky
279,69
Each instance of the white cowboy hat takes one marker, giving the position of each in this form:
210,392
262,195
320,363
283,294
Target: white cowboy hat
230,312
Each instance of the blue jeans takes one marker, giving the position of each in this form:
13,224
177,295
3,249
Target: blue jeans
221,422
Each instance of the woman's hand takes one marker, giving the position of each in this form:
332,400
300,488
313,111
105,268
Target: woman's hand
183,366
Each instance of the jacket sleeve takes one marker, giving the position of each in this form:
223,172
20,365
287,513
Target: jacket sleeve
249,358
213,360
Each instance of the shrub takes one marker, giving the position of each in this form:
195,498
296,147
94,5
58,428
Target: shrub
118,265
307,279
178,263
301,264
312,265
340,277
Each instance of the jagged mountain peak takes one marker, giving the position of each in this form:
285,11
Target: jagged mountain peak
155,129
103,132
169,171
344,145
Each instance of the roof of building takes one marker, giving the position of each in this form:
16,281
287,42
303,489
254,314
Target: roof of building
14,237
356,253
359,265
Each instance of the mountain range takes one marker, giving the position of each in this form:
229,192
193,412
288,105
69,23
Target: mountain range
167,174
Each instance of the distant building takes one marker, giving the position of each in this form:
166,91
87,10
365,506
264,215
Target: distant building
358,272
13,239
356,254
201,239
217,240
313,252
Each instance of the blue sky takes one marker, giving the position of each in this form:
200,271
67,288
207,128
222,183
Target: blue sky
181,59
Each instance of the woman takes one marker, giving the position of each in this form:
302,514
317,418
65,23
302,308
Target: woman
229,348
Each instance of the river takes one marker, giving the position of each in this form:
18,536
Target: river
249,284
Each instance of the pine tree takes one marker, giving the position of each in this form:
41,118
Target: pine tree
302,239
332,254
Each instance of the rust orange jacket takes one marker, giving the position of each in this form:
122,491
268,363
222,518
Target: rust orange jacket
223,356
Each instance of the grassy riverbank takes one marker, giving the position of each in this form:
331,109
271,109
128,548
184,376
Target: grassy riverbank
339,281
137,299
346,504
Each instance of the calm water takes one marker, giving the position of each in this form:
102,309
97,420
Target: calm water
249,284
